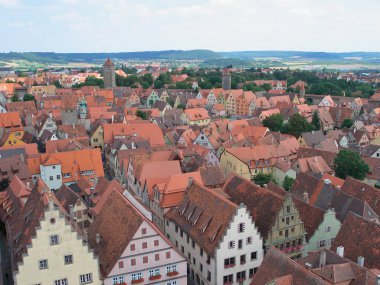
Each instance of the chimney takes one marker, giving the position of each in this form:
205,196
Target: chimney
190,182
73,126
340,251
22,157
378,280
97,238
361,261
28,184
322,259
308,266
71,209
306,197
265,185
50,115
327,181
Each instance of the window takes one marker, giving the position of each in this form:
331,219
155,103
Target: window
208,275
53,166
231,244
242,259
51,178
133,247
168,255
228,279
193,244
171,283
62,281
54,240
328,229
254,255
288,209
58,177
85,278
182,249
287,220
251,273
201,267
145,259
43,264
240,276
241,228
136,276
321,243
171,268
68,259
144,245
240,244
249,240
201,251
229,262
154,272
118,280
133,262
156,242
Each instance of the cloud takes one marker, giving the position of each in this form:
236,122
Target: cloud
9,3
24,26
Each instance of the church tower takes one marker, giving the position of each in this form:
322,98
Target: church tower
226,79
109,74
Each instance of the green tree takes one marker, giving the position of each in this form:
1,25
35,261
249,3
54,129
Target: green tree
297,125
288,182
28,97
347,123
261,179
349,163
143,115
274,122
148,78
158,84
170,101
315,121
15,98
93,81
181,106
57,84
266,86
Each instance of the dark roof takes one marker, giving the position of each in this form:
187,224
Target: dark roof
363,192
360,237
313,138
369,150
211,212
263,204
328,156
212,176
338,269
66,197
160,105
277,264
116,225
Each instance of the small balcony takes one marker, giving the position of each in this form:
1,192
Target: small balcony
155,277
229,265
138,281
173,273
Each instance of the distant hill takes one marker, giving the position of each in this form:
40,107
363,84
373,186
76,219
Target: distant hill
206,57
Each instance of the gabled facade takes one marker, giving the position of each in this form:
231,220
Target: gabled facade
219,238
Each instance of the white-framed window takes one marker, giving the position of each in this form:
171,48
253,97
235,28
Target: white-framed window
68,259
118,280
136,276
171,268
85,278
231,244
321,243
249,240
328,229
54,239
43,264
154,272
171,283
241,227
51,178
62,281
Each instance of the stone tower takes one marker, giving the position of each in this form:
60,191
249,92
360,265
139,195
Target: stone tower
109,74
226,79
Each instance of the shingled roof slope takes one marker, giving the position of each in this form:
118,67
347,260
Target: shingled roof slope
214,215
360,237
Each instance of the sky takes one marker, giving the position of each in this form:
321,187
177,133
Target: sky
219,25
